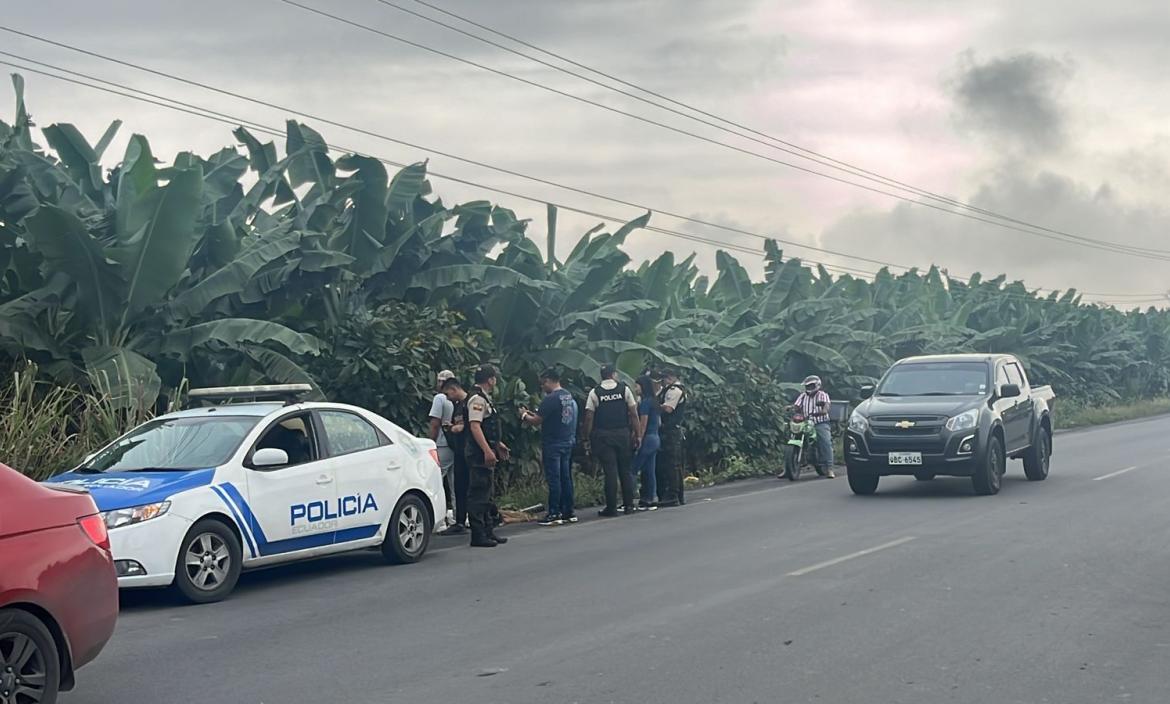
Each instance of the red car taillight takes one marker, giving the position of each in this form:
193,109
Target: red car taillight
435,456
94,528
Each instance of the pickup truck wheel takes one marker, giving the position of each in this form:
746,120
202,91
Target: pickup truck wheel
924,476
1037,458
989,475
863,483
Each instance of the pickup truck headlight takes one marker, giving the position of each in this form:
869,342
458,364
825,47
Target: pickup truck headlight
136,514
858,423
964,421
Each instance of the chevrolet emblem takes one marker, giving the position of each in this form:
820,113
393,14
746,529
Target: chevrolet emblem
904,424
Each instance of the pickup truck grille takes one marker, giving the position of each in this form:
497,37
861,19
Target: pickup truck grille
907,426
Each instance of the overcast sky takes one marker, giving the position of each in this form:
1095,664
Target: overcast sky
1055,112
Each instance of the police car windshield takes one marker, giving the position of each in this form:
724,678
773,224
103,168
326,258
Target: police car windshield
936,379
174,445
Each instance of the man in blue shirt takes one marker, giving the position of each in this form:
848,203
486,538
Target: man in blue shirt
557,418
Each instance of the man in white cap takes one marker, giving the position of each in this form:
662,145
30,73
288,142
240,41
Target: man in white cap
441,414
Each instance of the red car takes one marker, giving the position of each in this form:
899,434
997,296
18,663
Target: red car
58,589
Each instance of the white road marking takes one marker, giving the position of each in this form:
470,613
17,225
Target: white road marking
843,558
1114,474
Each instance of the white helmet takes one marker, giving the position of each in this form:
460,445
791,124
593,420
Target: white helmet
813,381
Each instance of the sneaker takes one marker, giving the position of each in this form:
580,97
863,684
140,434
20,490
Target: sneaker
830,474
483,543
606,513
551,520
629,510
571,518
457,529
500,540
652,506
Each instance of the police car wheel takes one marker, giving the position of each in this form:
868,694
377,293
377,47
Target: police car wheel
409,532
210,559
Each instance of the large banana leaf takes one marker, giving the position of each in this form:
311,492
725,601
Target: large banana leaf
618,312
65,243
365,229
233,333
163,224
733,285
128,379
279,369
483,276
619,347
234,277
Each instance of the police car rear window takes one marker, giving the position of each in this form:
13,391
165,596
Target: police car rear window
175,445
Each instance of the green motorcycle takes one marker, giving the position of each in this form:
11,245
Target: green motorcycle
801,446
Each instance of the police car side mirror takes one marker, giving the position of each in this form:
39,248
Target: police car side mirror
866,391
269,457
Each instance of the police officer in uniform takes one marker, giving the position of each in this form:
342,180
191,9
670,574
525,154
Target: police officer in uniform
672,401
611,424
484,450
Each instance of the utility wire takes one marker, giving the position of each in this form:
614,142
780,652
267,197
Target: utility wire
474,162
198,111
772,143
1086,242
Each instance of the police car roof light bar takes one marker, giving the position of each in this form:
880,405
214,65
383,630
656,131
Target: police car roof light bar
288,393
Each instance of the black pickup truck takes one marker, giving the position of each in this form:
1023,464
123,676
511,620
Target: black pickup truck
957,415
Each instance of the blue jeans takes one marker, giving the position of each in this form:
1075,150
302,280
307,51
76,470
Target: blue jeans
644,465
559,474
824,446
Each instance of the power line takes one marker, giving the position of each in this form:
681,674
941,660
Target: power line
199,111
1086,242
424,148
474,162
787,147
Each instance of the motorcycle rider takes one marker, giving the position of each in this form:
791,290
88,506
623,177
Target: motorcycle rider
814,403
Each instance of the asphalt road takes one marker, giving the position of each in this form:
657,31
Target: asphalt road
759,592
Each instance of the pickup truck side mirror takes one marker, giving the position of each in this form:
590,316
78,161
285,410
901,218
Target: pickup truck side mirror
1009,391
866,391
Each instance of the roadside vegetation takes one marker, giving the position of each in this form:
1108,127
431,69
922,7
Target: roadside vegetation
1081,414
268,263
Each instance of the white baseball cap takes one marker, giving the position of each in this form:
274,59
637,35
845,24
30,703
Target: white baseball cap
445,375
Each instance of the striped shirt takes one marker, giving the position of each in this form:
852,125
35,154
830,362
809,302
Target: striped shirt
808,406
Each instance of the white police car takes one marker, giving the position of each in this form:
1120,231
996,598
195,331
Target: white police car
194,497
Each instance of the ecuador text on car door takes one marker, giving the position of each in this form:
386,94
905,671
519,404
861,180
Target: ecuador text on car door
293,506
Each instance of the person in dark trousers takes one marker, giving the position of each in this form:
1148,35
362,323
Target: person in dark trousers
611,424
485,450
457,440
649,420
672,402
440,419
557,418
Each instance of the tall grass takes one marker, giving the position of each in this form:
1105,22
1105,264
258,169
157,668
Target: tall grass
46,429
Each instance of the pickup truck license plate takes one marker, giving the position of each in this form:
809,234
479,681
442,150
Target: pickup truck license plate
905,458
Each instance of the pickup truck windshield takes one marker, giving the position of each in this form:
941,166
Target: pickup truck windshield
936,379
174,445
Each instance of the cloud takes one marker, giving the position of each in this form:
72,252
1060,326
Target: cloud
917,236
1017,99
